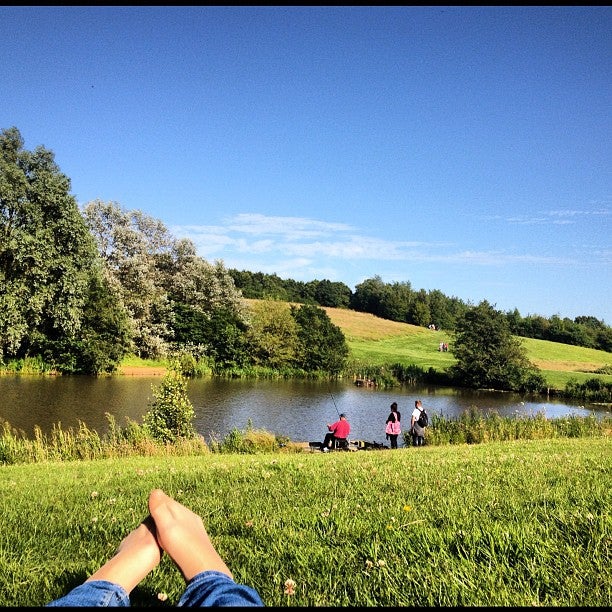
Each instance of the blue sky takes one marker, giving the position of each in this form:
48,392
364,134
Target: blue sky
465,149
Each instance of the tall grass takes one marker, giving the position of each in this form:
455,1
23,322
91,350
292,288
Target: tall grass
27,365
472,427
521,523
136,440
83,443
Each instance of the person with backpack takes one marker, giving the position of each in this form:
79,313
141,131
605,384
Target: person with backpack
418,422
393,427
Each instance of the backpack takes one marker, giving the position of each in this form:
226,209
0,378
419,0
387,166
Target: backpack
423,419
393,428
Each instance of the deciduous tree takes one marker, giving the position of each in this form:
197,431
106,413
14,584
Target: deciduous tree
272,335
321,344
49,268
487,354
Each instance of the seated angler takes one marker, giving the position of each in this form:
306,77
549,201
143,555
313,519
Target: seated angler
338,431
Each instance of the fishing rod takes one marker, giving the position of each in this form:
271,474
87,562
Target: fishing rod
333,400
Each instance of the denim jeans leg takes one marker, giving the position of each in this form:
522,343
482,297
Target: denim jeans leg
212,588
94,594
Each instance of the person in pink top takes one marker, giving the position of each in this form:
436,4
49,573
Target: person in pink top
337,431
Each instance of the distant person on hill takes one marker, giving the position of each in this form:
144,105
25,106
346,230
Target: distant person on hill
417,428
393,427
173,528
338,431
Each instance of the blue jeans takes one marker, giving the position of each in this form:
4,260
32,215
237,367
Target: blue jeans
209,588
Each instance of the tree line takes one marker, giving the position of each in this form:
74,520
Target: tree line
398,301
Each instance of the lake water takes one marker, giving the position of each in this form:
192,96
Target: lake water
297,409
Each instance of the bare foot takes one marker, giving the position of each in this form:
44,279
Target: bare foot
181,533
137,555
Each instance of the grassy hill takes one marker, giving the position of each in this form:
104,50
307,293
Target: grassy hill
377,341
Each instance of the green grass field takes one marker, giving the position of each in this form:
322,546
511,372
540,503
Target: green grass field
523,523
377,341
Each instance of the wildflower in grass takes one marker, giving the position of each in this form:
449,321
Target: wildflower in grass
289,587
112,500
381,563
94,519
249,523
162,596
407,508
94,494
369,564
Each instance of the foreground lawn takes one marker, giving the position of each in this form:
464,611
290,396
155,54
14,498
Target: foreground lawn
499,524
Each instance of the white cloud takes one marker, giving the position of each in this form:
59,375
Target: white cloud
555,217
289,243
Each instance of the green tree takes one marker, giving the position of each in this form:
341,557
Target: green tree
487,354
419,313
49,272
129,243
221,334
171,414
328,293
227,340
189,279
105,335
369,296
440,312
397,302
321,344
165,286
103,339
272,334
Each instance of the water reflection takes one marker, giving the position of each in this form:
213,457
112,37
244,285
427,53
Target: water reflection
298,409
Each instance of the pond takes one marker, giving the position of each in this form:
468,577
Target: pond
297,409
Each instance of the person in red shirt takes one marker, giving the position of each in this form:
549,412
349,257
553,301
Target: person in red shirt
337,431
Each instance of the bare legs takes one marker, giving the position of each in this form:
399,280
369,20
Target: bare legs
170,527
181,533
136,556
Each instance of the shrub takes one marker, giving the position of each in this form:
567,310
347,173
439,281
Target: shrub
249,441
171,415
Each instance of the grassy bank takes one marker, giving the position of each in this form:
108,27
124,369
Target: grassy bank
502,524
134,439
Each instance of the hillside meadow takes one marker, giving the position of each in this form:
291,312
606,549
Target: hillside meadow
521,523
376,341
